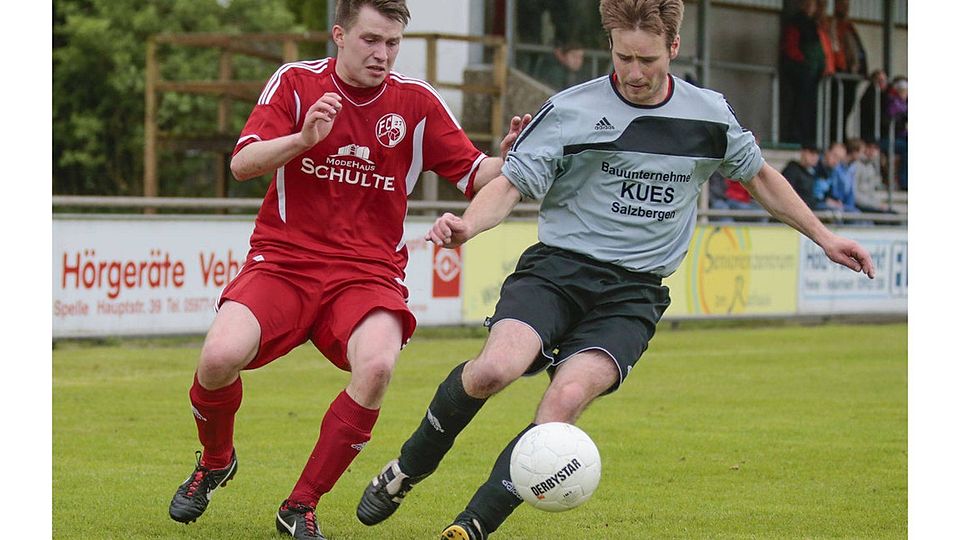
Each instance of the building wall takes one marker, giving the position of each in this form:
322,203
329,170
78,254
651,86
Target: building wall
742,36
447,17
872,37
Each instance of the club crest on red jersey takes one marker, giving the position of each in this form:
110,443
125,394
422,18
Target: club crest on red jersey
391,129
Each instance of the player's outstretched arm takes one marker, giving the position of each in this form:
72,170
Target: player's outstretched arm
773,191
487,210
262,157
490,167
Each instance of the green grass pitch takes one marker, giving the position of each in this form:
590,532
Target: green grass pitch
760,432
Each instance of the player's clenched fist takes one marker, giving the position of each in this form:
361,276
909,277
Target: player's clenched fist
318,121
448,231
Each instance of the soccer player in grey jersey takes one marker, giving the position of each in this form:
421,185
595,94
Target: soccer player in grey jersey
618,163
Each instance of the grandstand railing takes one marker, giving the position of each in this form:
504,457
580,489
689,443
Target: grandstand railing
833,85
429,208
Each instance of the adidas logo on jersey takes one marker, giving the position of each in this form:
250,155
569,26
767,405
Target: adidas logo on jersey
603,124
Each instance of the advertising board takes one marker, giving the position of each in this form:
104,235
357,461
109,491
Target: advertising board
135,275
736,271
827,288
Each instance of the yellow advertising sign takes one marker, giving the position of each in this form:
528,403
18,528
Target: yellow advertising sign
729,271
737,270
487,260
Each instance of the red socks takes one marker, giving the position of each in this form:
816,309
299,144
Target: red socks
344,431
214,411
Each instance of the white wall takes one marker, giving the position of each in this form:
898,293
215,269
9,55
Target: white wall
446,17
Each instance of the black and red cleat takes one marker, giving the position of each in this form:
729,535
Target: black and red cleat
194,493
299,521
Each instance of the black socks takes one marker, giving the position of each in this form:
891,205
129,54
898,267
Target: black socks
497,498
449,412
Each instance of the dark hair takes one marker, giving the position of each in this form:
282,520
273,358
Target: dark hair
348,11
660,17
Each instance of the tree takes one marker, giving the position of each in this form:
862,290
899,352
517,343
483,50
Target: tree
99,49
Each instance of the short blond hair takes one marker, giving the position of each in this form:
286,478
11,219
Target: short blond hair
660,17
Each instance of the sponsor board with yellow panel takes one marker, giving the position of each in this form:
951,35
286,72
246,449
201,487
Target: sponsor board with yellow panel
729,271
736,270
488,259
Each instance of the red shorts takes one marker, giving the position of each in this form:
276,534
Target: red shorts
322,302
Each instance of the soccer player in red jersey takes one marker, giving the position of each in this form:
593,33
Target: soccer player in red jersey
347,139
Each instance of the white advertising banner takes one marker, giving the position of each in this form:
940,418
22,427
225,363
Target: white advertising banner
827,288
155,275
136,275
434,277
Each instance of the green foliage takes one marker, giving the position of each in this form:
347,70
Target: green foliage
796,432
312,14
99,50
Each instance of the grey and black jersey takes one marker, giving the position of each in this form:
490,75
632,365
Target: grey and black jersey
619,182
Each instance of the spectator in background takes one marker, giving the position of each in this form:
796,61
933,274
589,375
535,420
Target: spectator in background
802,174
896,112
831,158
802,63
735,196
875,91
848,57
867,178
718,194
738,198
568,27
727,194
564,69
823,33
840,194
843,185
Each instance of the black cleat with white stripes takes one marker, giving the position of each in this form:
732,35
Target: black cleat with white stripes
193,495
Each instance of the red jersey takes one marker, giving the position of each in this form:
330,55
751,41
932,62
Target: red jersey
347,196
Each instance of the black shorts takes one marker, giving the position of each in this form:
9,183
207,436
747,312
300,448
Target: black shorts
576,303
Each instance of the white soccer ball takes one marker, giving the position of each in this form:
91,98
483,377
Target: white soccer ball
555,467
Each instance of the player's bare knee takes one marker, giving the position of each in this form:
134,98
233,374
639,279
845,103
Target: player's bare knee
563,402
572,392
375,371
484,377
218,366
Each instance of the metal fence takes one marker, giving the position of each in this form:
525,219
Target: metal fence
523,211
